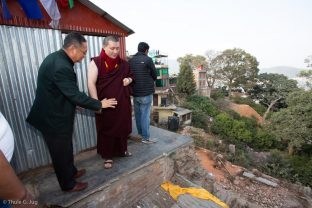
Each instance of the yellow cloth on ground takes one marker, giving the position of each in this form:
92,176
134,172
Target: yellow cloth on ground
175,191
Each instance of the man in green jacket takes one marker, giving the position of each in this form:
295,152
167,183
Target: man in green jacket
53,110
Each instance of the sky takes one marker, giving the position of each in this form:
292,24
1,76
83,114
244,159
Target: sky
276,32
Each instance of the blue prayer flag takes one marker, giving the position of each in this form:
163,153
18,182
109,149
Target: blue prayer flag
31,9
5,10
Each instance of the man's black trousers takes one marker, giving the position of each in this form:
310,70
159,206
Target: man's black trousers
61,152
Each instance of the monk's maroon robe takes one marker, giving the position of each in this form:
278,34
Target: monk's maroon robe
113,124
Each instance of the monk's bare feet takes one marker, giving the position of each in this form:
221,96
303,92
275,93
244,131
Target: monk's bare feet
108,164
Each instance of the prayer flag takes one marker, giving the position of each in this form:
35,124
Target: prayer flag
5,10
31,9
71,4
51,7
66,3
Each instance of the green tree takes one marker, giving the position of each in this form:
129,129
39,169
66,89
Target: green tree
194,61
202,108
307,74
271,89
264,139
293,125
237,68
231,129
185,81
213,71
203,104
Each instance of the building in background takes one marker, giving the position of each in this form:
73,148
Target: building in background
163,99
173,82
201,81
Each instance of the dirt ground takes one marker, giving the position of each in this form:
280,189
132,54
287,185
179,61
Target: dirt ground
220,173
230,177
245,110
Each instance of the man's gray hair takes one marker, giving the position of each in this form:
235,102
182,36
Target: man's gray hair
110,38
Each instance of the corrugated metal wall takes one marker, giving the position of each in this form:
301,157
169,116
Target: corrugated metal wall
22,51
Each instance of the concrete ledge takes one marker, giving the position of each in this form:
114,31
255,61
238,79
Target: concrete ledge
130,187
130,179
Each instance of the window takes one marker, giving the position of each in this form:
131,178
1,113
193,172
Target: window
163,101
188,116
164,71
158,72
159,83
166,83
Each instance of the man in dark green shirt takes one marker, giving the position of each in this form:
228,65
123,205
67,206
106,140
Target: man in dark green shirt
53,110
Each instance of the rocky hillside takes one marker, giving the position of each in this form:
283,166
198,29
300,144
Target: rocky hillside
248,188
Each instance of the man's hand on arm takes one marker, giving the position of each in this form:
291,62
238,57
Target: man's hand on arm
126,81
109,103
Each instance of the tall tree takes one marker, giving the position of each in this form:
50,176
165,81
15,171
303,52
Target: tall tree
307,74
237,68
293,125
271,89
186,83
213,71
194,61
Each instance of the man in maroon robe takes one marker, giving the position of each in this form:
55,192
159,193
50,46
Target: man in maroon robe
110,77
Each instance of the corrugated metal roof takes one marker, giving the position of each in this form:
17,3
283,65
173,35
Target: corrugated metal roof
182,111
96,21
101,12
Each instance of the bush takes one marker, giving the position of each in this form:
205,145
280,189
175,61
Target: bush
199,141
203,104
302,171
205,143
251,124
277,165
218,93
211,145
296,168
238,129
233,130
200,120
263,140
240,158
222,125
240,132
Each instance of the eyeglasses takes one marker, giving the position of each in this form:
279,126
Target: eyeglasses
83,52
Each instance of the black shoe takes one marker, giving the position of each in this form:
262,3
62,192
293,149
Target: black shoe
80,173
78,187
